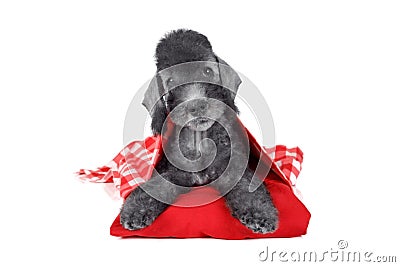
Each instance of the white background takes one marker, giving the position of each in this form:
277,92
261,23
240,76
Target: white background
330,71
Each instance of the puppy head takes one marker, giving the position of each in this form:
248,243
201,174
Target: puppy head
192,84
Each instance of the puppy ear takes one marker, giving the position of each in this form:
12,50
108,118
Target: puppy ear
158,118
155,104
229,77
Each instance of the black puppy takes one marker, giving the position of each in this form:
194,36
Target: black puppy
198,110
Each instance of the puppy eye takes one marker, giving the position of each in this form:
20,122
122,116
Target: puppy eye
170,81
207,71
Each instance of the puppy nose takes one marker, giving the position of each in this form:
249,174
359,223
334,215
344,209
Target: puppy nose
197,107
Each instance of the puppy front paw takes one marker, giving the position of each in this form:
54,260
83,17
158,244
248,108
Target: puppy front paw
259,223
135,219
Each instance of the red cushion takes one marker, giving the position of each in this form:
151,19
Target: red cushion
215,220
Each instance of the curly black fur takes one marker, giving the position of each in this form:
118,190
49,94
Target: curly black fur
182,46
254,209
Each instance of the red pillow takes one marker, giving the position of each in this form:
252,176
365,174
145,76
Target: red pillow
215,220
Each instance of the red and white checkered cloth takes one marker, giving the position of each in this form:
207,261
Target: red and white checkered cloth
134,164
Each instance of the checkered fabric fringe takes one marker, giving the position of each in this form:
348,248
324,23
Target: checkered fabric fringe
134,164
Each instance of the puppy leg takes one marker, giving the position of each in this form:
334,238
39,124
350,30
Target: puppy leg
141,208
255,209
